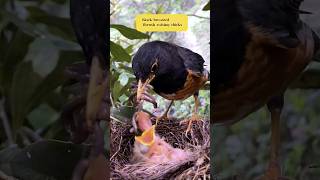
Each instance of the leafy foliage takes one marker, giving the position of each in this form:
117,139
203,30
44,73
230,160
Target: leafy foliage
206,7
28,163
129,32
121,71
37,43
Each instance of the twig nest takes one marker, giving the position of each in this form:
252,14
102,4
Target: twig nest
175,155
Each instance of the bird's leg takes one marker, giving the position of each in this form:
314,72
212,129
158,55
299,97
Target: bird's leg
165,114
275,107
195,116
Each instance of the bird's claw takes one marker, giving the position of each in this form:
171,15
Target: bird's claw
194,117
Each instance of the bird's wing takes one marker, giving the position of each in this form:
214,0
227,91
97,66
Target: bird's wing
267,71
191,60
228,35
280,19
89,21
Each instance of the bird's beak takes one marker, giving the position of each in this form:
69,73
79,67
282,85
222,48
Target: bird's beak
142,87
140,90
148,137
144,120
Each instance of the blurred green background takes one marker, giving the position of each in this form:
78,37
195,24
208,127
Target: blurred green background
37,43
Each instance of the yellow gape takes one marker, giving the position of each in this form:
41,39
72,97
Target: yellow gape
147,137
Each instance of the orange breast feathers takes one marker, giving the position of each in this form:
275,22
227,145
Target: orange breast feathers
268,70
193,83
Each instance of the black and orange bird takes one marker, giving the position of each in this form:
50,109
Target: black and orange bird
259,48
174,72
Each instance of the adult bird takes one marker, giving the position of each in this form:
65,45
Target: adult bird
89,22
174,72
259,48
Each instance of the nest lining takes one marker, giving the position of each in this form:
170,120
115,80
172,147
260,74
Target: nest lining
197,165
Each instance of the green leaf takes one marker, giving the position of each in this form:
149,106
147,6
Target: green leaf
206,7
42,160
28,91
129,32
119,53
23,25
24,83
126,68
34,31
116,90
55,78
38,54
14,53
123,78
42,116
56,25
129,49
123,113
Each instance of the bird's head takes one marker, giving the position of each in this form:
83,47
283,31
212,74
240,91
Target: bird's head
147,138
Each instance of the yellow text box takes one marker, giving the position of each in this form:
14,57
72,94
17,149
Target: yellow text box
161,22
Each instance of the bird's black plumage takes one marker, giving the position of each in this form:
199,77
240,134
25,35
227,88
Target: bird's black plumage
229,41
89,20
173,63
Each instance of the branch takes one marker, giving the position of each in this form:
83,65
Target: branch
31,134
5,121
202,17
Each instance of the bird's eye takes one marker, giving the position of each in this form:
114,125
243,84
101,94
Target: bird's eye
154,67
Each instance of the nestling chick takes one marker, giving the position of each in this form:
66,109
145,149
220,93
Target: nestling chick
150,147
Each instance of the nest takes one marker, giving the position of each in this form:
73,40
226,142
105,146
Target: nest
196,166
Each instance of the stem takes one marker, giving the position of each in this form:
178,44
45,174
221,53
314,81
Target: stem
31,134
202,17
5,122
